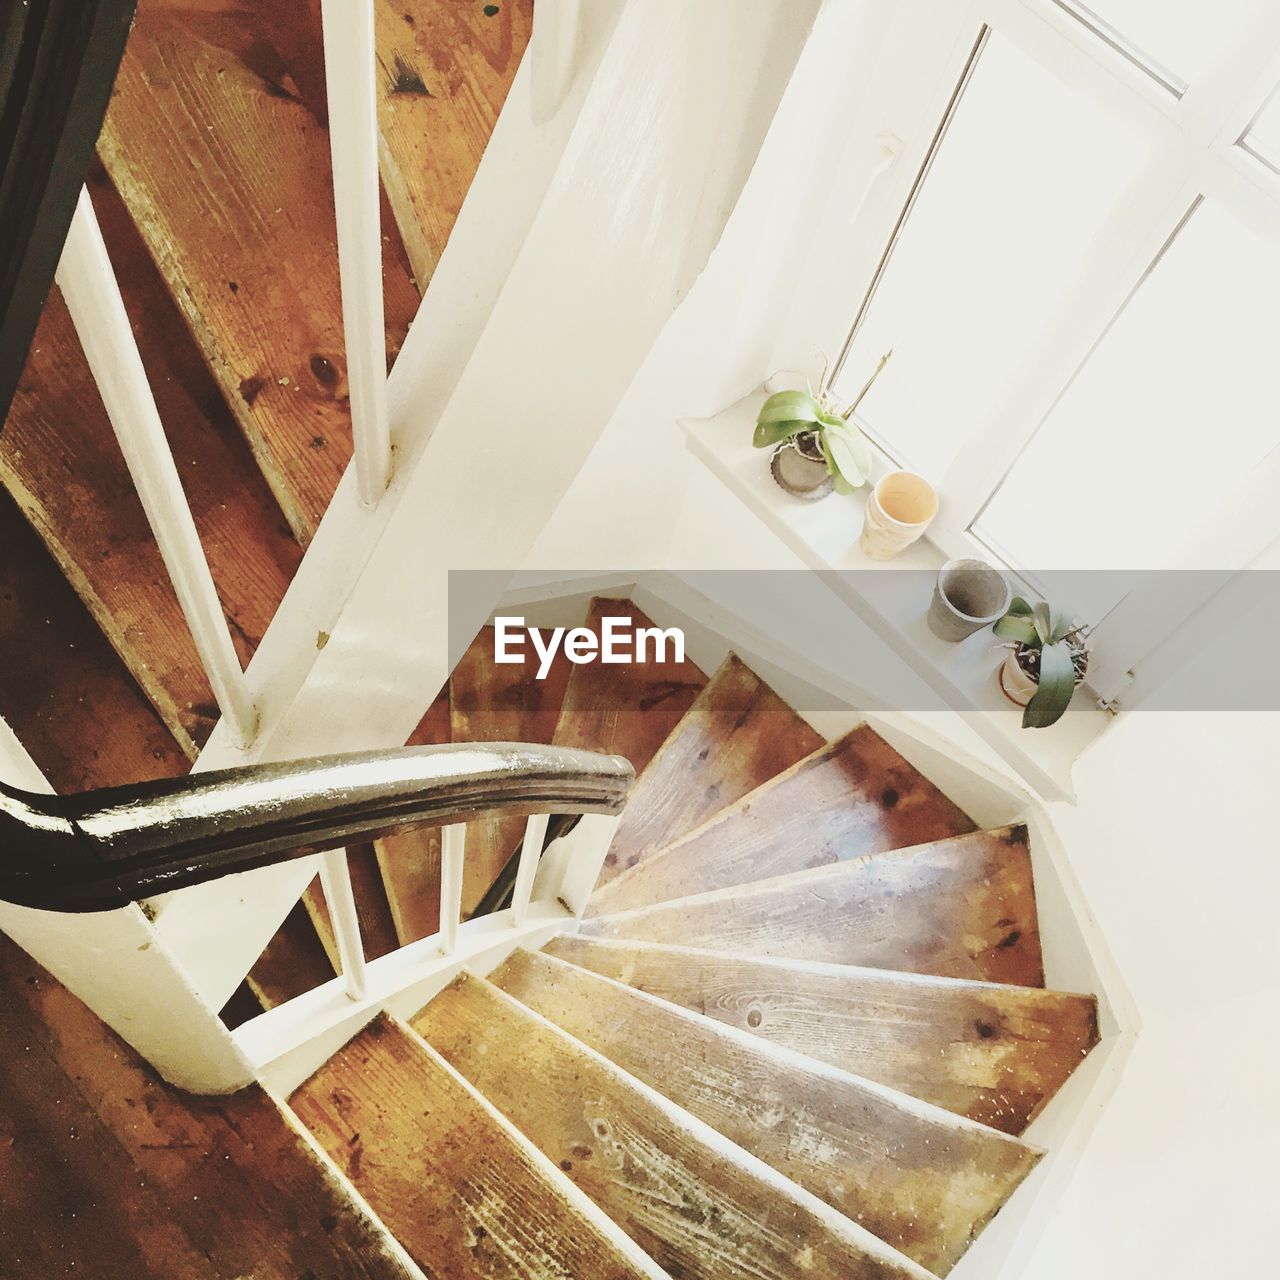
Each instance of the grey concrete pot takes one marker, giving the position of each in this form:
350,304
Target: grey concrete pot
968,596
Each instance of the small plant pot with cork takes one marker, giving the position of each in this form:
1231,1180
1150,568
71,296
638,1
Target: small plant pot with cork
1047,659
817,450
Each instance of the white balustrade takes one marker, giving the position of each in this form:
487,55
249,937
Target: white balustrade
335,880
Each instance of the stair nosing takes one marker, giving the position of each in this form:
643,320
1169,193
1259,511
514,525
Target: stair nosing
784,1055
728,1150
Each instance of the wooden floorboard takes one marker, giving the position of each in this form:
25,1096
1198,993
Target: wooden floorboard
958,908
63,690
993,1053
445,70
735,737
463,1194
107,1172
700,1207
216,141
60,460
625,709
917,1177
853,797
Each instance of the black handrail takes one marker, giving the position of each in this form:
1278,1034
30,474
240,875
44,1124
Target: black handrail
58,62
103,849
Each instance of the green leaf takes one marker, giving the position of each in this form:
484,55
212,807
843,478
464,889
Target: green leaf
1044,624
1057,684
790,406
771,433
849,453
1017,624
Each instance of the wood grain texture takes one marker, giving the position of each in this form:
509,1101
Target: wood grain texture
293,961
737,736
445,69
626,710
461,1192
63,690
993,1053
698,1205
377,929
493,702
919,1178
958,908
107,1172
853,797
410,863
216,142
60,460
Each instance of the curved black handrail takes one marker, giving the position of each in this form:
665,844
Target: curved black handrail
103,849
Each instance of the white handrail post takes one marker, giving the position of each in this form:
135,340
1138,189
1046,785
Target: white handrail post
335,880
452,852
350,74
535,832
93,298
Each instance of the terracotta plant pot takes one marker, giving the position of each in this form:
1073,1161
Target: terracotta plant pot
1018,686
800,467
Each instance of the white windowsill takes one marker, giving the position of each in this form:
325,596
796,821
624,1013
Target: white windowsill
825,536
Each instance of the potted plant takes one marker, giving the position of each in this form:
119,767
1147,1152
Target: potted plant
1047,660
816,448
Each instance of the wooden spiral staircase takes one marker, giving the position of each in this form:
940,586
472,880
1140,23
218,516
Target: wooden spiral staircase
800,1033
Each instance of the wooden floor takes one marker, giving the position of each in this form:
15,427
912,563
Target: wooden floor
107,1172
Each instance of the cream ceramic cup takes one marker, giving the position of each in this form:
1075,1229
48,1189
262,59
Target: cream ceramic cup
901,507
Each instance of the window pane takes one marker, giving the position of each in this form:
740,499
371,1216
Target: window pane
1026,175
1177,41
1174,409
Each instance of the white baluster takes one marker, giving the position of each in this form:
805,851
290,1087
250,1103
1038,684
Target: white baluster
335,880
452,852
350,74
535,832
93,298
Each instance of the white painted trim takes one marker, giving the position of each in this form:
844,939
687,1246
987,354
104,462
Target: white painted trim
350,62
553,50
92,295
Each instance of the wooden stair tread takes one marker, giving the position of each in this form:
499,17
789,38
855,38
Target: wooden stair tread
957,908
993,1053
461,1192
217,142
737,736
446,70
293,961
106,1171
918,1178
63,690
60,460
699,1206
625,710
410,863
850,798
493,702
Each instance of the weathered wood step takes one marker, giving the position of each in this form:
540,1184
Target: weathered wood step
917,1177
993,1053
853,797
499,702
105,1171
958,908
699,1206
217,140
446,69
410,863
64,691
626,709
293,961
735,737
462,1191
60,460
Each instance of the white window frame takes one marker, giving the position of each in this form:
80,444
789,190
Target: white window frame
1195,153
